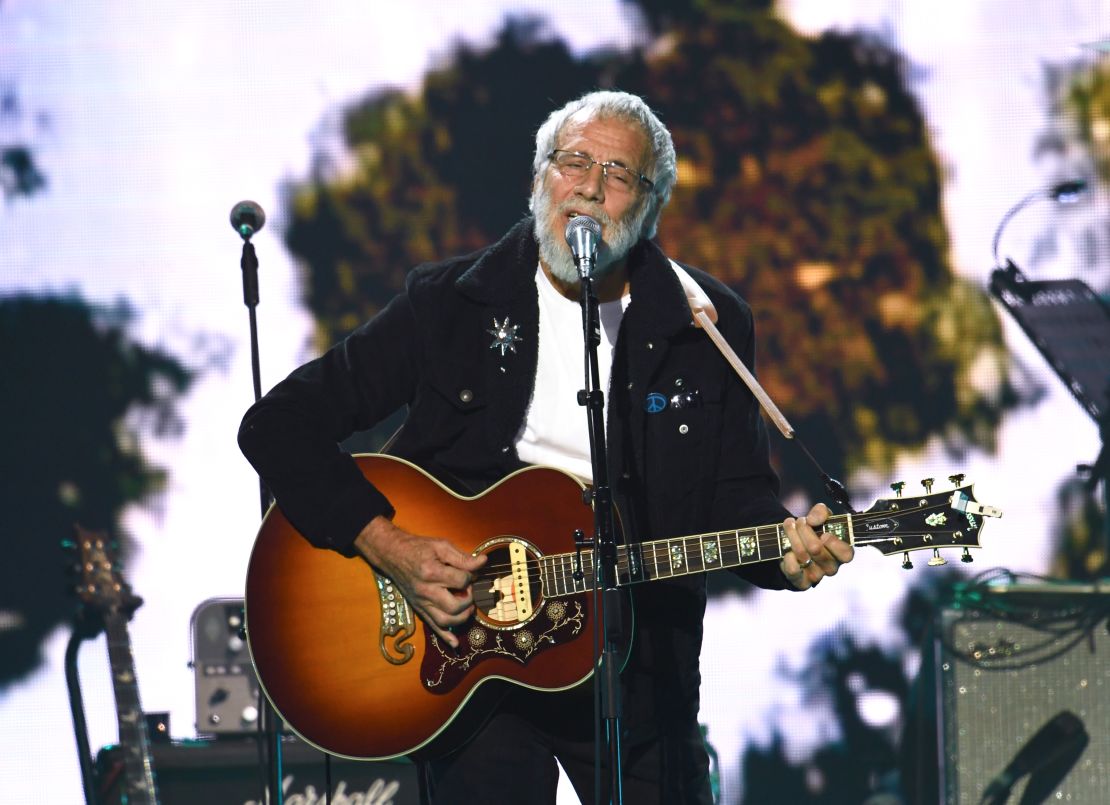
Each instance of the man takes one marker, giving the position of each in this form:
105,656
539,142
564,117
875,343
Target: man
483,401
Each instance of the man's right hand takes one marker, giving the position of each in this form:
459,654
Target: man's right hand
434,576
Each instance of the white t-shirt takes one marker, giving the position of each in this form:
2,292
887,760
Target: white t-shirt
555,431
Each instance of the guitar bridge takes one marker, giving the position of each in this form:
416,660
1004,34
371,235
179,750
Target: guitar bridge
398,625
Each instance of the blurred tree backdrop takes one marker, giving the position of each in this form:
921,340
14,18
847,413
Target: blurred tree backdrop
806,181
78,392
20,174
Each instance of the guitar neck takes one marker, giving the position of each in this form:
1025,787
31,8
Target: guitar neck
680,556
133,736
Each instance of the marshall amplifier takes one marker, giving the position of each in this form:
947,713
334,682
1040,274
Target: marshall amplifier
229,771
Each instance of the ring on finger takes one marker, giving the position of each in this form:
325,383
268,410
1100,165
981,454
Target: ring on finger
806,563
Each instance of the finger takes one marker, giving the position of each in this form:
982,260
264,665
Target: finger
443,632
450,555
799,555
818,515
442,622
843,551
451,606
816,548
795,575
437,569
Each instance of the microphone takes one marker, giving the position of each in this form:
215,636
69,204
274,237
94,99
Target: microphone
583,234
247,218
1052,750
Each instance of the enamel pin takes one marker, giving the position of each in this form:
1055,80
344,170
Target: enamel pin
504,336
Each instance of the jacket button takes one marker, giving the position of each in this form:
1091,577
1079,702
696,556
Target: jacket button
505,449
466,395
650,345
684,429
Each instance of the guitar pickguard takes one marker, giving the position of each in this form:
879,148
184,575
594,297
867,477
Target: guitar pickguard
513,620
557,621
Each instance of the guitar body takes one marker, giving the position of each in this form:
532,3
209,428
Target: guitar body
353,671
347,664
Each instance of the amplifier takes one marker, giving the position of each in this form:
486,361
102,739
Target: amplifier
226,687
228,771
1023,684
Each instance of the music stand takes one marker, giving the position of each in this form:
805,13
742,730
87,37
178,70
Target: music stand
1070,326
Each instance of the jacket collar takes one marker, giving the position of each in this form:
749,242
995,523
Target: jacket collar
504,272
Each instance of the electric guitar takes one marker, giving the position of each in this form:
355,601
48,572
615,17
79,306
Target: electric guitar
344,660
104,593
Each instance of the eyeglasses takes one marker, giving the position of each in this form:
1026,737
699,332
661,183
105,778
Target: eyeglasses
575,164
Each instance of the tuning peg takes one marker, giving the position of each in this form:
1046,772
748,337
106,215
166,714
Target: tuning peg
928,484
957,479
898,486
906,563
937,559
966,557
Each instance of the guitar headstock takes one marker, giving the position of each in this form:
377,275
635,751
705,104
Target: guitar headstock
100,586
930,521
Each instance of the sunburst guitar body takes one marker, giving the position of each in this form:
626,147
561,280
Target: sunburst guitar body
350,668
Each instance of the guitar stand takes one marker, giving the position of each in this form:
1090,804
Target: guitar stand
82,631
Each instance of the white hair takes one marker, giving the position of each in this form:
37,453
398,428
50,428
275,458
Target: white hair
608,104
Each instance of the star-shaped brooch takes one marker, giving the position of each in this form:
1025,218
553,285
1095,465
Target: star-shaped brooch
504,336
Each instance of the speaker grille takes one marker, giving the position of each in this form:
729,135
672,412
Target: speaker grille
1002,678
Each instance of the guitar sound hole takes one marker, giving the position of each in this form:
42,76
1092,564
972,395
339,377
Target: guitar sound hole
508,591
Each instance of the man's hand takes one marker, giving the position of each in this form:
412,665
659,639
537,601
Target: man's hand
812,556
434,576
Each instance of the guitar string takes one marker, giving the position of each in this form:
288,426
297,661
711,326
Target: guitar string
661,548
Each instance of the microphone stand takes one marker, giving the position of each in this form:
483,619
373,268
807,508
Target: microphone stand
607,691
271,721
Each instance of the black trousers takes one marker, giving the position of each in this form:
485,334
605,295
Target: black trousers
512,758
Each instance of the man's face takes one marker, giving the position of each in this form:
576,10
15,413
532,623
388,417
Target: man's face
557,198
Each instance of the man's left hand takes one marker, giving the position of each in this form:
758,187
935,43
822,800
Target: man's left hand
812,556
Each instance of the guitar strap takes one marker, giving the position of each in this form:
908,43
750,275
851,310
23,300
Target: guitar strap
705,316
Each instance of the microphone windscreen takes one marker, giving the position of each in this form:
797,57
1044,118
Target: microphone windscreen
582,222
247,217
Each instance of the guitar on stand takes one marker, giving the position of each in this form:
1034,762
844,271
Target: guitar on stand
108,598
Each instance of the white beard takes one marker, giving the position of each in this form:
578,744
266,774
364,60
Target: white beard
619,237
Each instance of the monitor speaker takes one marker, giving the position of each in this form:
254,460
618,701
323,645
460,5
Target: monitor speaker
1023,689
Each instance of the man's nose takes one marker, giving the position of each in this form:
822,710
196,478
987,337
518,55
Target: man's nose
592,184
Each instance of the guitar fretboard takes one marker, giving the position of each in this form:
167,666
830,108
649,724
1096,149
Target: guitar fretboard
570,573
133,737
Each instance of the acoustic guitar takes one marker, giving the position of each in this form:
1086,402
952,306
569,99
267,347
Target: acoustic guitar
345,661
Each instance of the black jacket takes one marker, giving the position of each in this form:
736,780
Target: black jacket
683,470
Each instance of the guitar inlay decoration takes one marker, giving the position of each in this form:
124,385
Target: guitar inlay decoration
710,553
